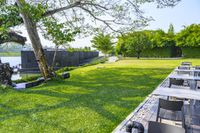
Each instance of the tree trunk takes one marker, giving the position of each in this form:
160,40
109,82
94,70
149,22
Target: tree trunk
138,55
36,43
54,58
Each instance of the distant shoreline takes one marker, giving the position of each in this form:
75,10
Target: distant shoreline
9,54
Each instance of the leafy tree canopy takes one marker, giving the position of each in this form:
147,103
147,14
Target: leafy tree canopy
156,37
103,43
134,43
189,37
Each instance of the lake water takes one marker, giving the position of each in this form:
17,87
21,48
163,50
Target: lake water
15,61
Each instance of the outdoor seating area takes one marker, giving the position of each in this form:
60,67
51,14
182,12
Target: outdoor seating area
173,107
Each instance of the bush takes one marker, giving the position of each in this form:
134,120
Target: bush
64,69
159,52
27,79
191,52
163,52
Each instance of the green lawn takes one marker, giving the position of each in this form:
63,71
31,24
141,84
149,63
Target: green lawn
93,100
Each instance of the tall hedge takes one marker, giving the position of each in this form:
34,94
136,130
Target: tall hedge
189,41
191,52
163,52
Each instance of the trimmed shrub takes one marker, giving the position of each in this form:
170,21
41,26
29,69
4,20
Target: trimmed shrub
191,52
163,52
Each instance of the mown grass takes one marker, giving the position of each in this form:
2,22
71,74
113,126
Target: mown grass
94,100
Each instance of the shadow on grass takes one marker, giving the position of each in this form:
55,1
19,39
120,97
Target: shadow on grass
94,90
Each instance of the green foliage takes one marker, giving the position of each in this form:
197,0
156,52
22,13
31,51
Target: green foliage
169,38
85,49
191,52
103,43
158,52
58,32
146,42
171,30
9,16
159,38
150,39
34,12
156,38
162,52
134,42
137,42
121,47
189,37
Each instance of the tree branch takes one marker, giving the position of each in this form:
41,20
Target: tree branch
51,12
104,21
13,37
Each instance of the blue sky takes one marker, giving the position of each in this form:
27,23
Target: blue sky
185,13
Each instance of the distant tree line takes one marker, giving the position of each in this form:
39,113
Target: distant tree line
153,43
11,47
134,43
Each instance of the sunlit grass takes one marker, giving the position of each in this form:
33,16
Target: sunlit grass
94,100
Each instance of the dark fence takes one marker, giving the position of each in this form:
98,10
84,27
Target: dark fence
63,59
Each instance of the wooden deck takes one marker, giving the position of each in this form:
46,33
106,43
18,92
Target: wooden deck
147,111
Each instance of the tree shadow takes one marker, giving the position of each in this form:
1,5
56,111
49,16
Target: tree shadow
94,90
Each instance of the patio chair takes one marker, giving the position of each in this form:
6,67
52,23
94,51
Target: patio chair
170,110
197,74
183,67
197,67
155,127
178,82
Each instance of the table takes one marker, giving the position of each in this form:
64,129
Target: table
186,70
184,76
177,92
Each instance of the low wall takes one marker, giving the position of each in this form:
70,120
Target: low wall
63,59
